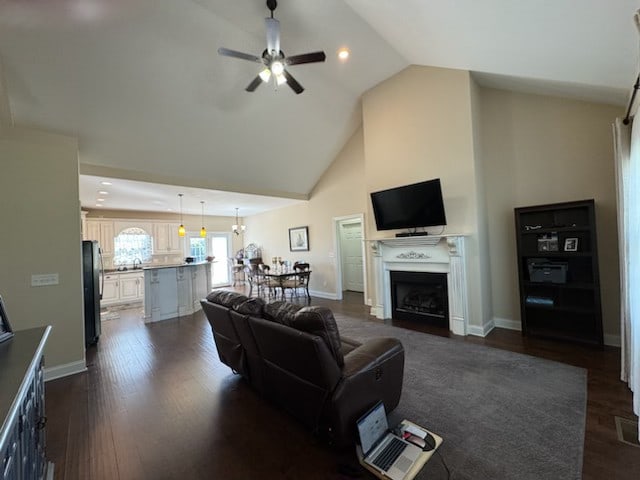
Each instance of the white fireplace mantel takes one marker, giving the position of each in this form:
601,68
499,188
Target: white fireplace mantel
433,254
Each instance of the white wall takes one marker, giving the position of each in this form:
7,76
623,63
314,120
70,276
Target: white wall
40,218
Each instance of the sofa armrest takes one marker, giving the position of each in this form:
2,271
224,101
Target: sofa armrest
370,355
372,372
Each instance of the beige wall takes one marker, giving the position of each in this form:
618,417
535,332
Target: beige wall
339,192
537,150
418,125
40,218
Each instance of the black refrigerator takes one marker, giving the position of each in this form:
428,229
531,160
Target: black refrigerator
92,272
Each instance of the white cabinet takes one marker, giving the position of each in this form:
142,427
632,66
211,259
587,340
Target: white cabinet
183,277
200,281
166,239
110,289
103,232
175,291
123,288
161,294
131,287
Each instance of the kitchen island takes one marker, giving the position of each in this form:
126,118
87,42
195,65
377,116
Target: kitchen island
175,290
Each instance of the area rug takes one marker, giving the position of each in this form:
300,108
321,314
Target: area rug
502,415
109,315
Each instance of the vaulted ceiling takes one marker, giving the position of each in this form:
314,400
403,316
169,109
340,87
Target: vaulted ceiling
140,84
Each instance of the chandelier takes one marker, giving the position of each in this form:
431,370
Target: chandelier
236,227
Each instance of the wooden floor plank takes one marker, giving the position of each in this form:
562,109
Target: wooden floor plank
156,403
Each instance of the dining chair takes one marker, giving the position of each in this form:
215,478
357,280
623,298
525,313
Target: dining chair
265,282
299,281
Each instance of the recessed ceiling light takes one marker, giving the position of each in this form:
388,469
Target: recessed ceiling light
100,200
99,205
106,183
343,53
103,192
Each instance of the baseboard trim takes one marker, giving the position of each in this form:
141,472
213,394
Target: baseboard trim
328,296
609,340
50,471
612,340
64,370
482,331
507,323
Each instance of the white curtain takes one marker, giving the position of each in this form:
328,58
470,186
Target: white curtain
627,153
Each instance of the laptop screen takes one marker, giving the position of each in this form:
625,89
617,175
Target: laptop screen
372,426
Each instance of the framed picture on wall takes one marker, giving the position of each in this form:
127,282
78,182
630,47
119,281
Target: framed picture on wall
299,239
5,329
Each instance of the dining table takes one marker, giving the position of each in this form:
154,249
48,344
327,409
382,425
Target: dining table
280,276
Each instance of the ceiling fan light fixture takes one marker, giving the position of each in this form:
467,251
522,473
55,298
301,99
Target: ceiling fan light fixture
343,53
277,68
265,75
273,61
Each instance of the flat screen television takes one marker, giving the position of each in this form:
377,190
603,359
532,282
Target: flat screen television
410,206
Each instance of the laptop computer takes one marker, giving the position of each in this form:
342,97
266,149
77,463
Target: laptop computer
383,450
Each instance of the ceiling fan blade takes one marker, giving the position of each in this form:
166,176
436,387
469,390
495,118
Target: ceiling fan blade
306,58
242,56
293,83
273,35
255,83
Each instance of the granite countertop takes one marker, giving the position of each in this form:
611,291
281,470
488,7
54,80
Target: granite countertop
115,270
154,267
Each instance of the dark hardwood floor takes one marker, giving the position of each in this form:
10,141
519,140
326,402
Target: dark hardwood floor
156,403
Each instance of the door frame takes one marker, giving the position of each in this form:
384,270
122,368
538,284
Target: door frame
210,236
337,222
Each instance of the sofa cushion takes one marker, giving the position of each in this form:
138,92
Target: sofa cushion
226,298
281,312
348,345
251,306
319,321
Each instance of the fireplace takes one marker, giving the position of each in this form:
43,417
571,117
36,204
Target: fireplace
420,296
440,255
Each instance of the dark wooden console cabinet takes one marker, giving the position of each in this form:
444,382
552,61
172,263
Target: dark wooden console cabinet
22,436
558,271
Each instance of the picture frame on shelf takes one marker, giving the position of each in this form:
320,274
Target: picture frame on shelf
548,242
5,327
571,244
299,239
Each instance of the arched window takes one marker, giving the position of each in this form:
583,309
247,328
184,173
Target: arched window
130,245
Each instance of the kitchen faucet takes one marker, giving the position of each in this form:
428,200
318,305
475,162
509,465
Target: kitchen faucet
137,263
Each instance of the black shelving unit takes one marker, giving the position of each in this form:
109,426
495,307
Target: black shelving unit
558,271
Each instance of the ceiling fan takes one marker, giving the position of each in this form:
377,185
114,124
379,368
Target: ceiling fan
273,59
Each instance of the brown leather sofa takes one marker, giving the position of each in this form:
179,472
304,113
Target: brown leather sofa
295,357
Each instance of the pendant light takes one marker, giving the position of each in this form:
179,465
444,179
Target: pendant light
203,231
181,230
237,228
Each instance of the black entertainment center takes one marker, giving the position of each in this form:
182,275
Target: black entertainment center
558,271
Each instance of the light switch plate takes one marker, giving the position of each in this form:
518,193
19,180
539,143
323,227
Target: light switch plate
43,279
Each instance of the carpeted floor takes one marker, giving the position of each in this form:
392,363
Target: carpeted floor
502,415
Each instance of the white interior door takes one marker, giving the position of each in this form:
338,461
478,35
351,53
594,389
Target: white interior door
351,256
220,248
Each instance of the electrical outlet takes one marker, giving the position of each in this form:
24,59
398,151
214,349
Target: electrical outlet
43,279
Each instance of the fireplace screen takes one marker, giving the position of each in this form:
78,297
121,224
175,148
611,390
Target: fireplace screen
420,296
